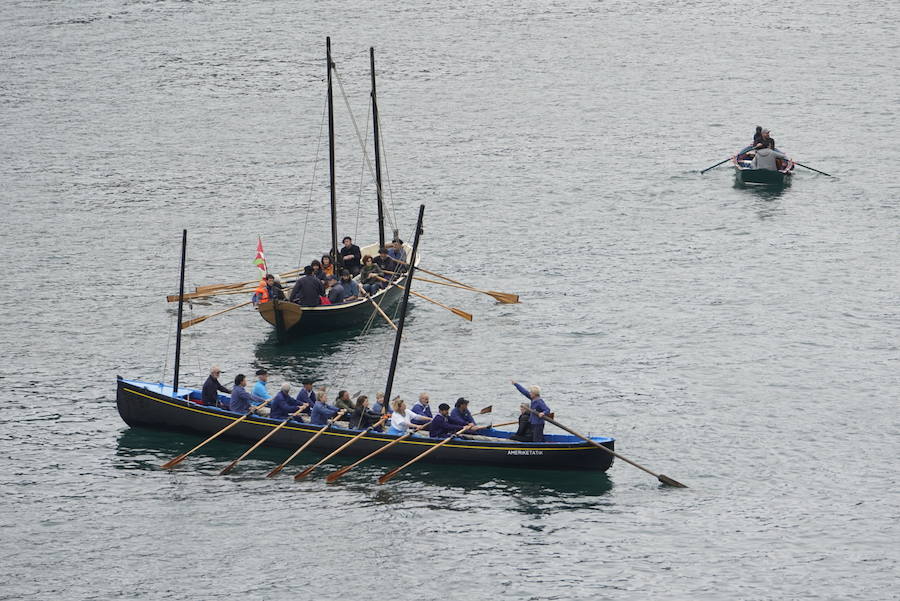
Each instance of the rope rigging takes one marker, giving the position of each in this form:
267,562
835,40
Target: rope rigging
312,184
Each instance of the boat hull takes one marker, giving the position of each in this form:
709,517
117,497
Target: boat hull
153,406
762,177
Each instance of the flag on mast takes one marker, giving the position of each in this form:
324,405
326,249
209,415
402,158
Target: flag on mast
260,260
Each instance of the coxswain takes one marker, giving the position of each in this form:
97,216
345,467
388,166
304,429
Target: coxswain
283,405
538,407
212,387
461,414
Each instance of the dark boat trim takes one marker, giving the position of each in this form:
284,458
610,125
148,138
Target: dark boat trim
140,406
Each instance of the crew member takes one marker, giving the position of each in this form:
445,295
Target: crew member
322,411
212,387
462,414
443,424
351,256
308,290
283,405
539,409
422,407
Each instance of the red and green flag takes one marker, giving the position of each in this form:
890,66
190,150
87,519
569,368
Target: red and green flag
260,260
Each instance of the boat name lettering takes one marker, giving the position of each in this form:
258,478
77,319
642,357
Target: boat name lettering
524,452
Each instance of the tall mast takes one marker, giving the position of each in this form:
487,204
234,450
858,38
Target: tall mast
334,247
378,189
180,313
407,286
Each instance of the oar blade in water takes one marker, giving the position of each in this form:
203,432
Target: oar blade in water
670,482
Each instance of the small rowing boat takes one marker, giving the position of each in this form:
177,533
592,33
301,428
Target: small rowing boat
746,175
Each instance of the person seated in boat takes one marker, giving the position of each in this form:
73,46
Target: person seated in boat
757,136
386,263
764,140
308,290
538,407
523,434
212,388
344,402
334,292
259,389
443,424
327,266
351,256
402,419
306,396
261,294
283,405
317,269
398,254
243,401
461,414
274,287
422,408
369,274
351,288
363,417
767,158
379,405
322,411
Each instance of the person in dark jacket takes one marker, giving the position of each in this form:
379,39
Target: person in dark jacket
538,407
461,414
523,434
322,411
212,387
307,396
385,262
283,405
443,424
308,289
351,256
334,290
757,137
422,407
362,417
241,400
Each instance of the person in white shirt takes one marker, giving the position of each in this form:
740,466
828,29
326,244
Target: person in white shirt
403,419
766,158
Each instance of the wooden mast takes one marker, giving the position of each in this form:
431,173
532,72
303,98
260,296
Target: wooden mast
403,305
335,258
180,313
378,189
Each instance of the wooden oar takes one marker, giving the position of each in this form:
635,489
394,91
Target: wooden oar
397,470
716,165
197,320
234,463
377,307
454,310
213,287
811,169
338,473
503,297
305,444
661,477
504,424
173,462
309,470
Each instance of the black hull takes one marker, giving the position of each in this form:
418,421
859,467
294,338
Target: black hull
140,406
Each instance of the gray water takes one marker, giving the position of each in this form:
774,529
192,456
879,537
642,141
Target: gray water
743,342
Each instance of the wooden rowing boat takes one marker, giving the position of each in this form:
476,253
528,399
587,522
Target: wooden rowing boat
746,175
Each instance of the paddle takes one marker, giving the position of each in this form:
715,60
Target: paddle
309,470
397,470
173,462
234,463
716,165
197,320
662,478
337,474
455,311
305,444
503,297
811,169
377,307
214,287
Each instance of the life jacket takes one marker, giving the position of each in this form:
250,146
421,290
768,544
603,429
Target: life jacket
262,293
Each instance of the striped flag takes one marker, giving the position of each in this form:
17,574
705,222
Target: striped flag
260,260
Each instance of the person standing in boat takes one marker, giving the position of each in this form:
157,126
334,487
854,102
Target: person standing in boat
462,415
322,411
308,290
212,387
538,406
402,419
351,256
241,400
283,405
767,158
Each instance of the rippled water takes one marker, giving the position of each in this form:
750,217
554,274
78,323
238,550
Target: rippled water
741,341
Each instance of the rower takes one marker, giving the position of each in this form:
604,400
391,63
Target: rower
306,396
539,408
422,408
461,414
343,401
362,417
402,419
443,425
212,387
767,158
322,411
283,405
241,400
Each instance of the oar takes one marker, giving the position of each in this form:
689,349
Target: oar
377,307
309,470
504,424
811,169
197,320
397,470
503,297
661,477
454,310
173,462
305,444
234,463
716,165
213,287
337,474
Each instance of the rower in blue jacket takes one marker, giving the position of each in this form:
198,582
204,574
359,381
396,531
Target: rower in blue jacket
461,414
307,396
443,424
540,408
322,411
283,405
